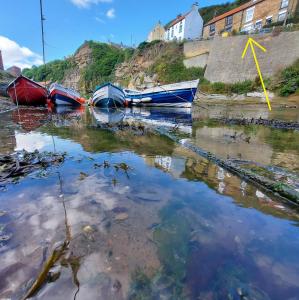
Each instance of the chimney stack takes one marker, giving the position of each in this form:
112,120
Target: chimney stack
1,62
195,6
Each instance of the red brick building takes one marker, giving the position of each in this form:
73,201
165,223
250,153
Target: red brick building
250,16
14,71
1,62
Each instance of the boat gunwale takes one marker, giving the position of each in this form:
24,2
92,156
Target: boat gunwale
21,77
108,84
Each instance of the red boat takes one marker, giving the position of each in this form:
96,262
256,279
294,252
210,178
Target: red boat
24,91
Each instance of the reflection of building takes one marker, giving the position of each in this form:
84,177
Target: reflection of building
173,165
157,34
252,15
14,71
1,62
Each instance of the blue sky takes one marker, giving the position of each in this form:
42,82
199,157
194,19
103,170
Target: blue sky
70,22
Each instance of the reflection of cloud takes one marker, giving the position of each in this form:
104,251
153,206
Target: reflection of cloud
31,142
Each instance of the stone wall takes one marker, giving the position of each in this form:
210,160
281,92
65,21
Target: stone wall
197,61
226,65
196,48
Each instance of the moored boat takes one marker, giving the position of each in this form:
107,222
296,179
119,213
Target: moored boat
171,95
24,91
108,95
60,95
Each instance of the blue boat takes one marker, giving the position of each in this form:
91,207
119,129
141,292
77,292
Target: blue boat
108,95
171,95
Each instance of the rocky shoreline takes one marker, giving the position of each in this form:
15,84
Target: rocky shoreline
277,124
6,105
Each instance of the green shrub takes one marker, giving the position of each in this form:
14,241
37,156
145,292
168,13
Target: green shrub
287,81
242,87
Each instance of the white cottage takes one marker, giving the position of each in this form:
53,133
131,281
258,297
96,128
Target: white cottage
185,27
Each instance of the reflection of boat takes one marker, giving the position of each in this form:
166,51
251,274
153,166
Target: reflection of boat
30,118
24,91
181,118
63,96
108,95
67,110
171,95
108,116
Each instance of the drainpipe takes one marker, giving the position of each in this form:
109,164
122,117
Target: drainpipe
241,20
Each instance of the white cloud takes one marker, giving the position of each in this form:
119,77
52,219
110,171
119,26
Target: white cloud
100,20
111,13
87,3
14,54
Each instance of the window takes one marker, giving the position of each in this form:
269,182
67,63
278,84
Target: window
229,23
172,32
284,3
228,20
281,16
248,28
168,34
259,24
212,29
249,14
181,27
269,20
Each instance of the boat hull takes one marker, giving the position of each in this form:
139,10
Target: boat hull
108,96
60,95
60,99
24,91
179,95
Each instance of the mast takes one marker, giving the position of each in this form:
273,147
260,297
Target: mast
42,19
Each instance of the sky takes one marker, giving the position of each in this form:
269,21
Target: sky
70,22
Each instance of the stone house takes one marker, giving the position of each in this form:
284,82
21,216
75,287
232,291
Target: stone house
157,34
188,26
14,71
1,62
250,16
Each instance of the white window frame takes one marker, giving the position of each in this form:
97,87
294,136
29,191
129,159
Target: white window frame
259,21
249,14
284,4
248,27
283,12
181,27
269,18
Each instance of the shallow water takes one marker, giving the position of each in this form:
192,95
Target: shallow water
146,218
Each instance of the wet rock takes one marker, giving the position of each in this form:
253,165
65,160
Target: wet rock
2,213
83,176
54,273
5,237
116,286
121,217
119,210
88,229
22,163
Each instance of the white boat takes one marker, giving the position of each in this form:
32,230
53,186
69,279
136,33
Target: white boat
108,95
61,95
171,95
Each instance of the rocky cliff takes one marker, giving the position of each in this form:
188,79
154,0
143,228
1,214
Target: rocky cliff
5,79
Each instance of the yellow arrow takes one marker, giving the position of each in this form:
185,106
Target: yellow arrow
253,43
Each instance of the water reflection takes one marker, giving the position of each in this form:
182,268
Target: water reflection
108,116
148,218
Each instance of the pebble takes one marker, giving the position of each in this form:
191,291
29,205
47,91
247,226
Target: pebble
121,217
54,273
88,229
